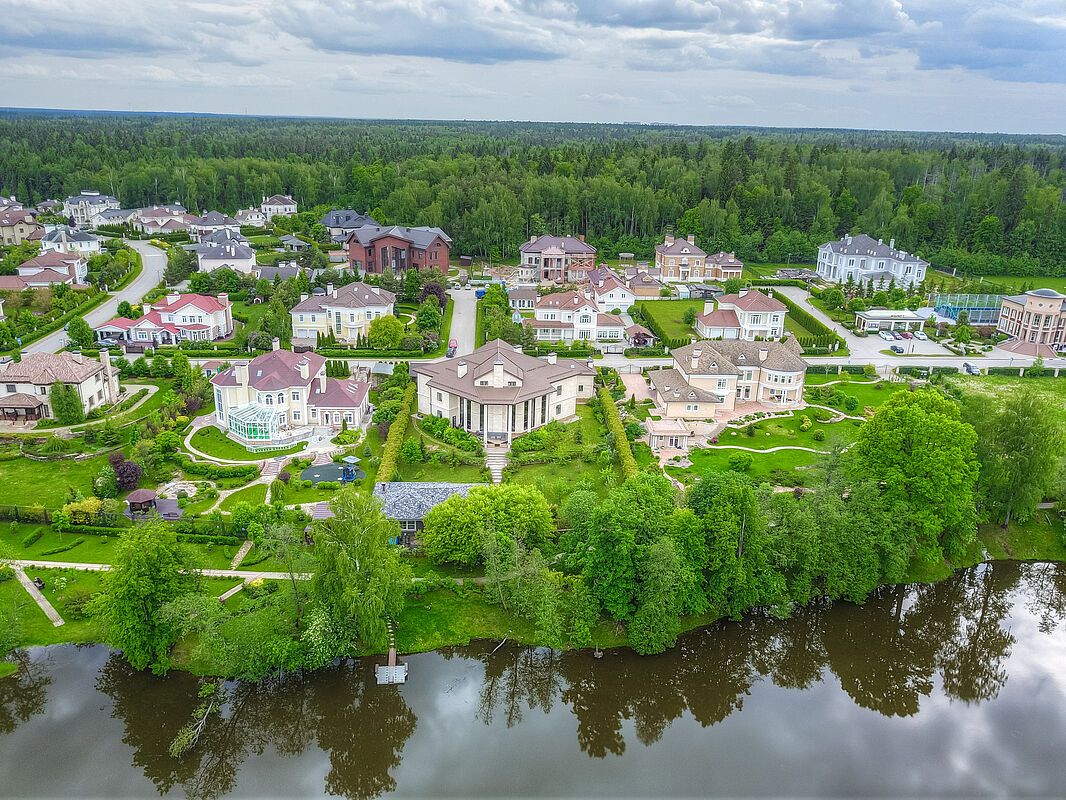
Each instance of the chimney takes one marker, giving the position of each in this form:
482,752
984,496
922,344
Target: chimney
553,358
763,353
692,238
518,348
322,379
460,369
532,239
880,241
303,296
891,243
329,290
497,374
223,298
847,239
695,361
240,372
173,298
581,237
303,366
669,238
743,292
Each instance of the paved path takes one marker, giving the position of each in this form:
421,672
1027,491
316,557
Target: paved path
40,599
130,389
155,263
237,559
464,318
209,573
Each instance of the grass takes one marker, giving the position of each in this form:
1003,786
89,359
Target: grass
37,629
422,566
1039,538
431,472
46,482
568,475
779,467
793,327
256,495
213,442
311,494
669,313
264,241
785,432
253,312
1054,389
441,618
813,379
8,668
865,393
145,408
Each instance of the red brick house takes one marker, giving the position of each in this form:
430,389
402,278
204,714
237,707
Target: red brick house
373,248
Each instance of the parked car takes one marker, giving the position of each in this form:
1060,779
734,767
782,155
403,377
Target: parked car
452,346
479,293
905,334
896,349
108,342
885,335
920,335
896,335
970,369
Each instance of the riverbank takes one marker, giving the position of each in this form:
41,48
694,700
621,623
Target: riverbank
456,613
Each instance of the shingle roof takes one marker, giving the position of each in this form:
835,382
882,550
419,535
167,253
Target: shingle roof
420,237
354,295
609,321
21,400
346,218
752,300
227,250
724,259
279,200
570,300
339,393
46,368
719,319
213,218
609,285
522,294
278,369
72,235
728,356
638,330
671,385
568,244
680,247
865,245
225,235
54,259
10,218
203,302
412,501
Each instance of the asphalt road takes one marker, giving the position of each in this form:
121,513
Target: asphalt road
154,265
463,320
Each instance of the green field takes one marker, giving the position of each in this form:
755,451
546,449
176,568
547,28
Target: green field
256,495
253,312
1054,389
669,313
785,432
778,467
213,442
28,482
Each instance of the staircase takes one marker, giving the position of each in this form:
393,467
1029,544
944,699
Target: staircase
496,460
271,468
322,457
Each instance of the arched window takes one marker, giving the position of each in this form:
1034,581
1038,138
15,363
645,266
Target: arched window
281,398
269,400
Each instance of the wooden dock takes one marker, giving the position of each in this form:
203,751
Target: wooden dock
391,672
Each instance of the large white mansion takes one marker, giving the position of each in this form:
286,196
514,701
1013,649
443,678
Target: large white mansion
864,259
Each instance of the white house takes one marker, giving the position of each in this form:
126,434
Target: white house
211,222
611,294
112,216
230,255
82,207
564,317
347,311
25,386
179,316
277,205
498,393
746,315
280,397
863,260
64,239
250,216
72,265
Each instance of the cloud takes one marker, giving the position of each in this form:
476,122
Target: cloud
606,97
729,100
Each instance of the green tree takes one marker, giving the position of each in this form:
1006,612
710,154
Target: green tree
833,299
360,579
689,317
125,310
285,544
385,333
412,285
160,366
733,285
66,404
150,570
655,624
80,333
428,316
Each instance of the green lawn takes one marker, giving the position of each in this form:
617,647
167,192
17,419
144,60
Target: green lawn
311,494
256,495
793,327
252,311
213,442
29,482
565,476
669,313
866,393
145,408
818,378
264,241
779,467
1054,389
440,472
442,618
1058,284
1040,538
785,432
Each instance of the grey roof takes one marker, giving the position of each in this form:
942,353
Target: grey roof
420,237
1046,293
288,238
212,218
224,235
91,199
226,251
729,356
72,235
865,245
404,501
269,272
118,213
354,295
279,200
671,385
569,244
346,218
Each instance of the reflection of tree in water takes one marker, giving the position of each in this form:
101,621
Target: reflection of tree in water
1046,597
516,678
362,726
24,695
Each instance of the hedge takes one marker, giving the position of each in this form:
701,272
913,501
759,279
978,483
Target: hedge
338,352
778,282
195,538
823,336
654,327
390,454
914,370
621,442
210,470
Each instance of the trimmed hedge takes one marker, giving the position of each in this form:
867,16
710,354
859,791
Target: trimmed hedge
914,370
823,336
63,548
656,328
195,538
621,442
210,470
390,454
339,352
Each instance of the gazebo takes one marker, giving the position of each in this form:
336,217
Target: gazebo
142,501
20,407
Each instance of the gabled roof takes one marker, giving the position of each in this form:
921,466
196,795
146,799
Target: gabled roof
346,218
201,301
54,259
529,293
572,301
278,369
228,250
865,245
723,259
46,368
671,385
412,501
14,217
680,247
719,318
61,232
353,295
609,321
225,235
339,393
420,237
279,200
729,356
568,244
752,300
638,330
609,285
601,274
213,219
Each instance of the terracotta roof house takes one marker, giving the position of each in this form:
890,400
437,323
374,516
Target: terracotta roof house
277,205
73,265
177,317
709,378
347,311
611,294
746,315
680,260
644,286
561,259
862,259
372,249
28,382
497,392
280,397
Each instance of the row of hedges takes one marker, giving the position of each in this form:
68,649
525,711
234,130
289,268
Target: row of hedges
1047,373
340,352
657,329
390,454
440,428
644,352
914,370
615,426
195,538
823,336
212,471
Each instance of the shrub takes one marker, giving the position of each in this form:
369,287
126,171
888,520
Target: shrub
63,548
32,537
818,435
614,425
851,403
75,602
805,423
397,431
740,462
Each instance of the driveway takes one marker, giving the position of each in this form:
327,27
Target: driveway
464,317
155,263
636,386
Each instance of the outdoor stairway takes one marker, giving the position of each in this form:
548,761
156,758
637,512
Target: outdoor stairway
270,468
322,457
496,460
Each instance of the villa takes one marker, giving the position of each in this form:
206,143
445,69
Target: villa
179,317
277,399
346,312
747,315
26,385
572,317
863,260
563,259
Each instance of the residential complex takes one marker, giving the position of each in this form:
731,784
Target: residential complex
82,207
346,312
498,393
373,249
25,385
750,314
862,259
1036,321
179,317
278,398
561,259
712,378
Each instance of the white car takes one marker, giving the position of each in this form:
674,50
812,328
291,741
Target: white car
920,335
885,335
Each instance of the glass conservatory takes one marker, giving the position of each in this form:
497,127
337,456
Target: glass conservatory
254,422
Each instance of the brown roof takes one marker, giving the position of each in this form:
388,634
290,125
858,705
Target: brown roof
20,400
141,496
536,375
571,300
680,247
609,320
46,368
354,295
753,300
719,319
339,393
522,294
639,330
729,356
671,385
278,369
724,259
547,323
568,244
609,285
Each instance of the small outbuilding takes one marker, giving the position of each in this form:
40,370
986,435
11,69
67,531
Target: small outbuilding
144,503
884,319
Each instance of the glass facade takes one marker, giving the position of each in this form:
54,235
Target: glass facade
254,422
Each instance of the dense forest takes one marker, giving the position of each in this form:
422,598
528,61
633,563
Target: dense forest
987,204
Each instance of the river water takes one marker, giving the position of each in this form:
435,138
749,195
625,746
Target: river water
957,688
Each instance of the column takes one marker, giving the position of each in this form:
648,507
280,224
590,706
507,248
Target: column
485,425
507,422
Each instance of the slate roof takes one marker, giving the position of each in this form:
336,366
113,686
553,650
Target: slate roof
729,356
268,272
568,244
278,369
55,236
228,250
680,247
421,237
346,218
279,200
354,295
865,245
46,368
402,500
753,300
214,218
225,236
91,199
522,294
723,259
670,384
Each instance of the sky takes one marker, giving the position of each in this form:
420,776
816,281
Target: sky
959,65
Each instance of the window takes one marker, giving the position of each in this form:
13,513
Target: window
296,397
11,388
558,390
439,397
269,400
408,525
314,412
295,416
348,417
281,398
581,387
558,409
482,383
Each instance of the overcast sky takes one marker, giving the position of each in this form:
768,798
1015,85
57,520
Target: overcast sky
903,64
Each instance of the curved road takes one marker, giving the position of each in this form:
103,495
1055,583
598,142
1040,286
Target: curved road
155,262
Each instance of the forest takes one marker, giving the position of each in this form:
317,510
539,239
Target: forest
986,204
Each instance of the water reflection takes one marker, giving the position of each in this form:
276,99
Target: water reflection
348,737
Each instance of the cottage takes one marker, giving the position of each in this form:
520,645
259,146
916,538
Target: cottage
178,317
64,239
277,205
17,226
25,386
408,503
562,259
747,315
83,206
340,223
211,222
346,312
372,249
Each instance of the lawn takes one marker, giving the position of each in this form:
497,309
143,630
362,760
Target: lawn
422,566
442,618
430,472
669,313
46,482
264,241
213,442
793,327
815,379
561,479
256,495
785,432
1058,284
1039,538
779,467
865,392
253,312
1054,389
37,629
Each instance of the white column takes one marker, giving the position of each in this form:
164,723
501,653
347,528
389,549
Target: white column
485,427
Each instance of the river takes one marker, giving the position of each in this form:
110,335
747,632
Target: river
956,688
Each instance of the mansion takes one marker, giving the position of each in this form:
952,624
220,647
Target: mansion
346,312
498,393
25,386
562,259
276,399
746,315
709,378
571,317
863,260
683,261
177,317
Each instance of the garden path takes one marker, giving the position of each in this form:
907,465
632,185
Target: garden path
13,427
237,559
35,593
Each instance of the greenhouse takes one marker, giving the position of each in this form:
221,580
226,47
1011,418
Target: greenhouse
254,422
